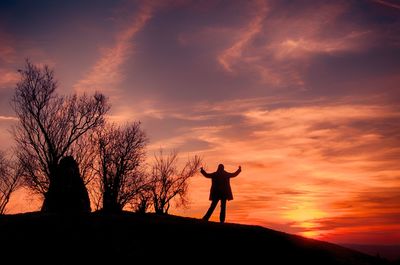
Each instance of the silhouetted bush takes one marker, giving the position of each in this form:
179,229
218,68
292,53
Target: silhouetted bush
67,192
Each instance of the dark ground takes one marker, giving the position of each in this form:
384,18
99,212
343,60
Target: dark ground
130,238
390,252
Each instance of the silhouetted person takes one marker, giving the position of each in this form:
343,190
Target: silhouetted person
67,192
220,190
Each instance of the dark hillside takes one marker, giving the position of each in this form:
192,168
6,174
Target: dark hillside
129,237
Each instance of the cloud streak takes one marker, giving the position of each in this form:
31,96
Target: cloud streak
107,72
234,53
8,118
7,49
388,4
8,78
277,48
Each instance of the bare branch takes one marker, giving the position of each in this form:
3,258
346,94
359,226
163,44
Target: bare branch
9,181
168,183
121,153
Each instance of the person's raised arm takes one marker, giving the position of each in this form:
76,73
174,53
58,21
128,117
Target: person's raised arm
205,174
237,172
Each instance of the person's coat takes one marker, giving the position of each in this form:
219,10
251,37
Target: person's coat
220,187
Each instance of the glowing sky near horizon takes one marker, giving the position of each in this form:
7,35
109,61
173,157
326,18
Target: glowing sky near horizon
304,95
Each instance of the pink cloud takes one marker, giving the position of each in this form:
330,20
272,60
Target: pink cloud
13,55
107,72
8,118
303,47
8,78
7,50
388,4
235,52
7,56
286,42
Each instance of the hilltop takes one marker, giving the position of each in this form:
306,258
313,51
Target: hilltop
129,237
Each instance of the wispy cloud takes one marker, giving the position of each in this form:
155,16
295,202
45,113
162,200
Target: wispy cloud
234,53
277,48
7,49
107,73
8,75
8,78
388,4
8,118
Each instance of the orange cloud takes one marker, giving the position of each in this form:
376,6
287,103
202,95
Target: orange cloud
365,215
304,165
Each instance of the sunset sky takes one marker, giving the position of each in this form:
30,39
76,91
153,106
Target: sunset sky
304,95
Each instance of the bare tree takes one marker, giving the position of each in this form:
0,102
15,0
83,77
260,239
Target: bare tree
9,181
121,153
49,124
169,183
84,152
142,202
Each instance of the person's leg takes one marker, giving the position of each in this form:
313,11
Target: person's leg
210,210
223,211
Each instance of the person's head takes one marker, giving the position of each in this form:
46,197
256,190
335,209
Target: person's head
220,167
